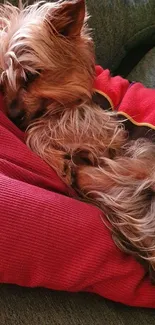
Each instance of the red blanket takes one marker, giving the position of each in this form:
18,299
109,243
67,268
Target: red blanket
51,240
131,100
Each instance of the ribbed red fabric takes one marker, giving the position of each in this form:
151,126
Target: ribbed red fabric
51,240
134,101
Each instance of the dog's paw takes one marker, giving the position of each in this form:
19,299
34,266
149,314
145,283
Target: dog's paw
68,174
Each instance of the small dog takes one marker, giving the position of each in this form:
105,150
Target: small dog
47,71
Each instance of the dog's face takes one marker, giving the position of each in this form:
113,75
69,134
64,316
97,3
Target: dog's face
46,56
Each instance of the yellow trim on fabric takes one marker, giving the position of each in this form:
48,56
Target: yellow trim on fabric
151,126
106,96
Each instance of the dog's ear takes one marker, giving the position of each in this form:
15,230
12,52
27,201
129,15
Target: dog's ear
68,17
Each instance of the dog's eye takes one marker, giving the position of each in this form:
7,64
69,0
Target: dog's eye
30,77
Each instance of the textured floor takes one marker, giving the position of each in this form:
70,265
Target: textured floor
20,306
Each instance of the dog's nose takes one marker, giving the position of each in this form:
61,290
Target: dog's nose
17,115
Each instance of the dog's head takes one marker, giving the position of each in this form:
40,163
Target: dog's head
46,56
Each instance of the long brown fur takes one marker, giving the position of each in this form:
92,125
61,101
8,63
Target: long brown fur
47,72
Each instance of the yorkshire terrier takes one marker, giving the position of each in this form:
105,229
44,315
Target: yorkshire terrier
47,71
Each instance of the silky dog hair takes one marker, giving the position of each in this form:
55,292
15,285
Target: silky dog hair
47,70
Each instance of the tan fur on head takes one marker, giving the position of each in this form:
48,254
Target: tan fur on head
47,72
58,53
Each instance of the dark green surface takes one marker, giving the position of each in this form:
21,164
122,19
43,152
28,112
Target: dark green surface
20,306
